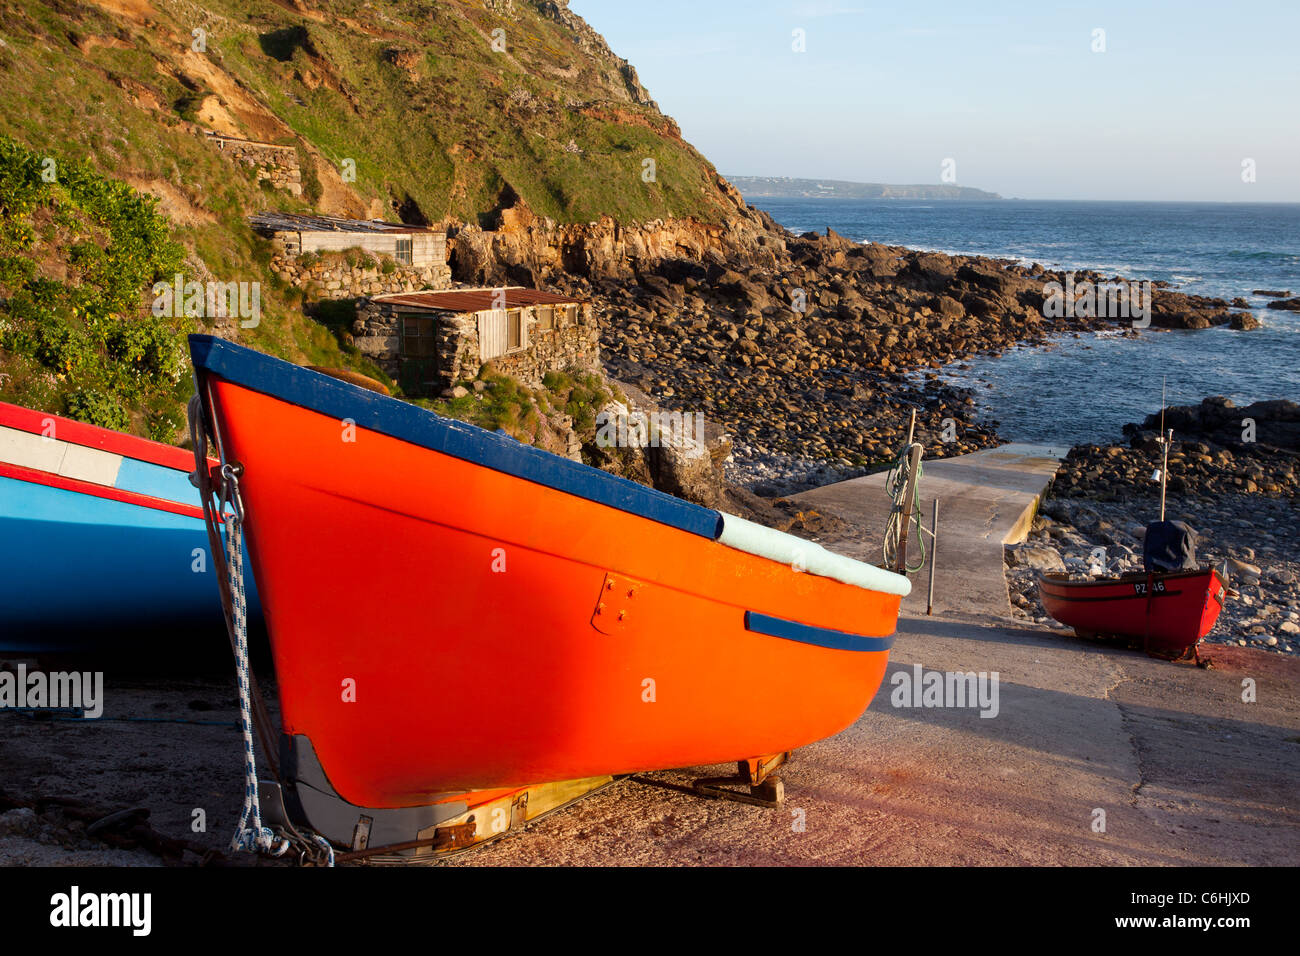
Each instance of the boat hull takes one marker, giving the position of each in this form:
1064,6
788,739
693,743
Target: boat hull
1168,613
103,539
440,626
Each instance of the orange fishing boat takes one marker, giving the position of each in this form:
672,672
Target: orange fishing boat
452,612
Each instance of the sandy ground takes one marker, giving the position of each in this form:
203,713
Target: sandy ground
168,744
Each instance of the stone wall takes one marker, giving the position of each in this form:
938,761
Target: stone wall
277,165
377,332
551,351
351,274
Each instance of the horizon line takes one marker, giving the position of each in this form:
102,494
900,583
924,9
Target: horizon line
999,198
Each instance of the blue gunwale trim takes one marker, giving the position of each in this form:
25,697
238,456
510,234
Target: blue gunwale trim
807,634
410,423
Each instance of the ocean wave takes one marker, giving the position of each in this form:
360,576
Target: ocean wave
1263,255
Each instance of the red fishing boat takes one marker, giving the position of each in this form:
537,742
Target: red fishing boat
1165,613
452,612
1166,609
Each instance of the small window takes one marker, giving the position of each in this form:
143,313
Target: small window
418,339
402,253
514,329
545,318
570,315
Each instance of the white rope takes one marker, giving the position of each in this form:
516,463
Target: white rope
324,844
250,835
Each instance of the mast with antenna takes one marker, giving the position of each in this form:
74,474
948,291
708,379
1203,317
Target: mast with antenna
1165,439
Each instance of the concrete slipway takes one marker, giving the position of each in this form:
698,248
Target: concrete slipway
1185,771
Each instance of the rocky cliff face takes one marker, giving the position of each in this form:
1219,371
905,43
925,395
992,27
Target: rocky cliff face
533,251
425,111
594,45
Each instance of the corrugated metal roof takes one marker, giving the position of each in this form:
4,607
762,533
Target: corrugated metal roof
476,300
292,222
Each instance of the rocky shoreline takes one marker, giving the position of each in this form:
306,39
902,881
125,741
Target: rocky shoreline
1241,497
805,349
836,383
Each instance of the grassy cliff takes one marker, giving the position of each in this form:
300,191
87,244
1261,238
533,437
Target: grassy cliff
437,121
76,249
421,111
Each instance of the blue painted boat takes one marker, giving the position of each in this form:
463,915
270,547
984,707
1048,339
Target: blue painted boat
101,539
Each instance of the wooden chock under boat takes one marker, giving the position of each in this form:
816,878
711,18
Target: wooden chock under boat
757,774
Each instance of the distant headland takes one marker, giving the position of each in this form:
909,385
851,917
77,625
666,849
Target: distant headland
783,187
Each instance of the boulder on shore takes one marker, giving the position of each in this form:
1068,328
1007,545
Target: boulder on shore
1038,557
1218,420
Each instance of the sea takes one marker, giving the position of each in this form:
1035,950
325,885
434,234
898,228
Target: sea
1083,390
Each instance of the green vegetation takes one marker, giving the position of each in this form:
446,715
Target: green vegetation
433,118
76,252
79,254
581,395
436,124
504,404
358,258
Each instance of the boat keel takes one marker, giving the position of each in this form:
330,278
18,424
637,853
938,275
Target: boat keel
406,834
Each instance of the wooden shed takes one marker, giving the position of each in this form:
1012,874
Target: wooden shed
417,246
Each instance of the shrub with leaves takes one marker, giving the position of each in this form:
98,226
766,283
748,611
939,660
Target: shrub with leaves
95,408
78,253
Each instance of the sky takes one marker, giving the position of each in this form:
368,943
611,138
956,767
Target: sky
1186,101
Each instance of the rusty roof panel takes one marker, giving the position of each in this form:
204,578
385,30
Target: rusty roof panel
476,300
292,222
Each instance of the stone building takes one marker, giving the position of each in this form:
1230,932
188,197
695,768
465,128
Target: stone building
277,165
347,258
428,341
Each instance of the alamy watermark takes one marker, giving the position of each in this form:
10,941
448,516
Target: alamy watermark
946,689
1101,300
57,690
209,300
75,909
